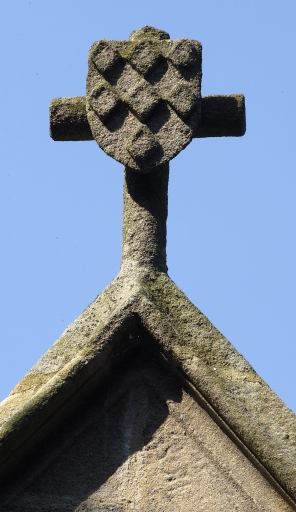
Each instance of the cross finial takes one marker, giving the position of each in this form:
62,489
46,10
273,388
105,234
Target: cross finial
143,106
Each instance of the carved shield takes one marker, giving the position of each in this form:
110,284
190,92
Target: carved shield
143,97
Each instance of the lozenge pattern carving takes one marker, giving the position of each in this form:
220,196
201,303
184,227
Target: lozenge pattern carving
143,98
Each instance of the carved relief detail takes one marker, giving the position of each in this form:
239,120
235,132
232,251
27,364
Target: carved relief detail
143,98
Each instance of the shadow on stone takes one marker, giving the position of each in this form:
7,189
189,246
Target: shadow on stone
97,440
158,117
157,72
116,121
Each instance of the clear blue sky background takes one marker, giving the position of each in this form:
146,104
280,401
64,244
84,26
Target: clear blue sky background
231,227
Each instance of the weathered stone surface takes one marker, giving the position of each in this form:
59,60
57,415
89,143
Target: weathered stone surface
144,57
103,101
143,297
142,404
151,32
105,56
143,443
156,83
221,116
68,119
145,212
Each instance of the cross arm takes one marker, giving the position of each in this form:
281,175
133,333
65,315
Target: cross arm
221,116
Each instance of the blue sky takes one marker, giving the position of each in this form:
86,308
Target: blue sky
231,226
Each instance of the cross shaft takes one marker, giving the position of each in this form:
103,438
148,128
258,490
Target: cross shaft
145,209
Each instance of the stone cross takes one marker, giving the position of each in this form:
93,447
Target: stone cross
143,106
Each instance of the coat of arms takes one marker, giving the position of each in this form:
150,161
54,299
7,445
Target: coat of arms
143,97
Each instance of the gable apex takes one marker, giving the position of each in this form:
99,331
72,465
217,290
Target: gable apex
220,378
